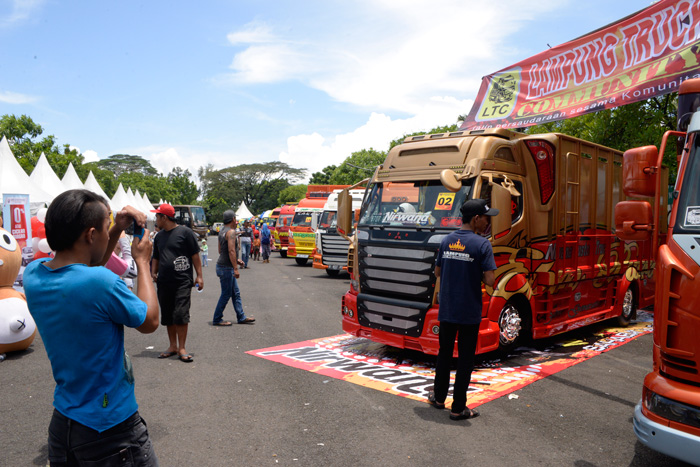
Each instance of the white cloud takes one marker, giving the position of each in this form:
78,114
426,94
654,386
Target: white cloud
21,11
395,59
90,156
15,98
314,152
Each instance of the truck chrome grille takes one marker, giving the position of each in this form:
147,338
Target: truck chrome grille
335,249
397,285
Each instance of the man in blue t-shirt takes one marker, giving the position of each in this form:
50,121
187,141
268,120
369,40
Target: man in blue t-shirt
80,311
464,260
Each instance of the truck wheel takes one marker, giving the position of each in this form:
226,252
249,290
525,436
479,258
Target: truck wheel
283,253
301,261
512,324
332,272
629,308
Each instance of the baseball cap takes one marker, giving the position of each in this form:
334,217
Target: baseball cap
229,216
165,209
477,207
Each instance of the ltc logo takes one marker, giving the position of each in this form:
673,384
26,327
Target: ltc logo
501,96
457,246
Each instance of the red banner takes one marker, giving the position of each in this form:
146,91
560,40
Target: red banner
646,54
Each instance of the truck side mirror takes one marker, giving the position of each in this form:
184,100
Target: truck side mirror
345,213
633,220
314,222
450,180
501,200
638,170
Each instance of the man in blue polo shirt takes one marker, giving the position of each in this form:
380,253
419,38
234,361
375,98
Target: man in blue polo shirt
464,260
80,311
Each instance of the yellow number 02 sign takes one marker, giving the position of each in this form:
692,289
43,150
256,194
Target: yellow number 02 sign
444,202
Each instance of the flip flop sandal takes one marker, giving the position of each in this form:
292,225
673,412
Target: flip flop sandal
167,354
433,402
187,358
464,414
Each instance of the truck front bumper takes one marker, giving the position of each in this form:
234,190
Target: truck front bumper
666,440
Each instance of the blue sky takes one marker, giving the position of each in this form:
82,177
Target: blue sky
185,83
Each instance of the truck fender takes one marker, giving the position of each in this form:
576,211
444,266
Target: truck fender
508,286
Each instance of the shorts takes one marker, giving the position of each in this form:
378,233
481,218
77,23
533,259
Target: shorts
174,304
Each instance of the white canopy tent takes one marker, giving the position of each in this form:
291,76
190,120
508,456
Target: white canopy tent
120,198
70,180
243,212
14,180
145,207
93,185
44,176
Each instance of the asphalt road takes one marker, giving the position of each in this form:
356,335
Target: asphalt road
230,408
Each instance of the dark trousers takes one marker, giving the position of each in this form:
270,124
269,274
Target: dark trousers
466,349
74,444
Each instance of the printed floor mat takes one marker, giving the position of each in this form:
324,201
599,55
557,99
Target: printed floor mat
410,374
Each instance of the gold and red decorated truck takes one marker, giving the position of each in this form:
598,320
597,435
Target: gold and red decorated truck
560,264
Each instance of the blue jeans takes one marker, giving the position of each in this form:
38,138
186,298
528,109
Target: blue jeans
229,289
245,252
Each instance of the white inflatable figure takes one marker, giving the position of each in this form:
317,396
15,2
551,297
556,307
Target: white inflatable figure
17,327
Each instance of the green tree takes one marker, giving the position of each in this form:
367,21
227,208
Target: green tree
119,164
257,185
323,177
360,165
23,134
185,189
639,124
292,194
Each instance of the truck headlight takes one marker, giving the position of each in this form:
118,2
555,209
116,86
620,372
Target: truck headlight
671,410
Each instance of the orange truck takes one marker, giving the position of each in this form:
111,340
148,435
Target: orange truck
560,265
302,238
281,233
667,418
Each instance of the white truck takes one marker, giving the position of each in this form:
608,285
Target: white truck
331,251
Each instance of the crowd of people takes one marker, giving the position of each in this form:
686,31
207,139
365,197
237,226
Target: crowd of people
96,416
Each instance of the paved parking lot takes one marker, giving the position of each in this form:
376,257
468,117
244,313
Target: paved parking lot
232,408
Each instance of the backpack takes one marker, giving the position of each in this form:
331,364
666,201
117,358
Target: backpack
265,237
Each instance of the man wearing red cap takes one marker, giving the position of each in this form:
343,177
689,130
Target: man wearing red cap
175,253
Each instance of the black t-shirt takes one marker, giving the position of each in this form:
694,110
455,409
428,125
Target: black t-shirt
174,250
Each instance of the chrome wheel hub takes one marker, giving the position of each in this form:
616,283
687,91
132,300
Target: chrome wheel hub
509,324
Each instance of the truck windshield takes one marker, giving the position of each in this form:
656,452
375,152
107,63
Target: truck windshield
328,220
302,219
414,204
688,214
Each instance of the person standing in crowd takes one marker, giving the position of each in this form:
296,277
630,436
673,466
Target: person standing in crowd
246,238
205,254
464,260
175,255
265,241
256,246
227,271
95,418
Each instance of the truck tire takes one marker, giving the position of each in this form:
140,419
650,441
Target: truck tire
301,261
283,253
513,327
629,308
332,272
